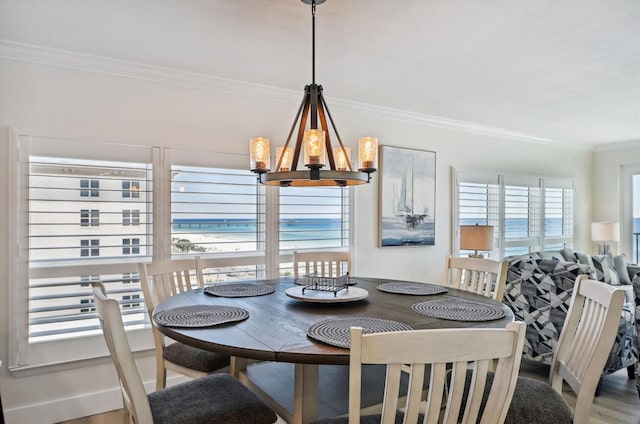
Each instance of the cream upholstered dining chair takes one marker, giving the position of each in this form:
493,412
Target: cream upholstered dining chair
159,281
583,347
436,351
322,263
216,398
483,276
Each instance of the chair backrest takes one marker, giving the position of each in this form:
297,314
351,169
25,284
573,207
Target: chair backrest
164,278
322,263
133,391
483,276
442,349
585,341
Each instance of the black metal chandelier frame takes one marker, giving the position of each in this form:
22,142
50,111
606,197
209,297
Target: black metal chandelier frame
313,108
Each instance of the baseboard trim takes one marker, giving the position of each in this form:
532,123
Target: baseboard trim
75,407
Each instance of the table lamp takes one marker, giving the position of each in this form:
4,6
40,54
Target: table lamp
476,237
605,232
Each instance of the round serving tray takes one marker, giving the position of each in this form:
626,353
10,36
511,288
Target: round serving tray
350,294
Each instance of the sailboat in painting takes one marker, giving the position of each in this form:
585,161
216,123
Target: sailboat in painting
405,205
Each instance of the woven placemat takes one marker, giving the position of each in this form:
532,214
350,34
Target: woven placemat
337,331
239,290
416,289
459,310
199,315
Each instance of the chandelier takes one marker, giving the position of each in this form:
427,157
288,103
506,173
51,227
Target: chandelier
314,142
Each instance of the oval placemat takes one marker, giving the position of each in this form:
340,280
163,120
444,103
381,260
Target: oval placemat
337,331
239,290
459,310
416,289
199,315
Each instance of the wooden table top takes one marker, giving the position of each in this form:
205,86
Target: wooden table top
276,329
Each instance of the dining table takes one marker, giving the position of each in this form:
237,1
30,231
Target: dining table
273,347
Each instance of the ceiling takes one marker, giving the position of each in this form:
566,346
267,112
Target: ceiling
559,71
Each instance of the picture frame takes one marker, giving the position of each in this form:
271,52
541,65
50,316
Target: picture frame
407,197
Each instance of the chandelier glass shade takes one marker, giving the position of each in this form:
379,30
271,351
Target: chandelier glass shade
313,144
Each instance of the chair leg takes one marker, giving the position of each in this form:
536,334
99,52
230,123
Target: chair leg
631,371
598,388
161,375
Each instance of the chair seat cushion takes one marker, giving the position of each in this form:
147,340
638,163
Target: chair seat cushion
227,401
366,419
194,358
535,402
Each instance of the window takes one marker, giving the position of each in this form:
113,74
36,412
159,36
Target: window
89,218
215,210
90,247
89,188
130,217
131,278
86,280
218,213
131,246
313,218
128,301
60,253
130,189
528,214
88,301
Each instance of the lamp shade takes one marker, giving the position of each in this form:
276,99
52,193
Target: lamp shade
605,231
476,237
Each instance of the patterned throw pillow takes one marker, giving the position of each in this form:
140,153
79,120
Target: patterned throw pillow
605,270
620,263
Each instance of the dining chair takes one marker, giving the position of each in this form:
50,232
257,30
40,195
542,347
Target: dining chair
433,353
584,345
322,263
482,276
218,398
160,280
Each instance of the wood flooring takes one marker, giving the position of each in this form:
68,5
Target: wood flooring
618,402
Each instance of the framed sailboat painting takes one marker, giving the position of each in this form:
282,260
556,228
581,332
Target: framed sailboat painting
407,197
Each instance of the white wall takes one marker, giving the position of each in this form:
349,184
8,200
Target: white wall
607,188
100,106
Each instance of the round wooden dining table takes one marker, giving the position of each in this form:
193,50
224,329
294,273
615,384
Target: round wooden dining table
277,327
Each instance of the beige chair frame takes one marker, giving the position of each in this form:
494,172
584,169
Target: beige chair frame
441,348
161,280
134,396
585,341
322,263
482,276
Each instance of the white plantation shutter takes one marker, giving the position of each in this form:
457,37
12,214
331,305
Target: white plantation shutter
313,218
528,213
75,223
558,213
218,212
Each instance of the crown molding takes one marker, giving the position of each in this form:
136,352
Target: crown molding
79,61
618,145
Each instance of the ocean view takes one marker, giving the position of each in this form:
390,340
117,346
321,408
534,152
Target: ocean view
304,228
240,234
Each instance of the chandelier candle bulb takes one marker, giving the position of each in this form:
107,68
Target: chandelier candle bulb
342,158
314,142
367,153
284,158
260,160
